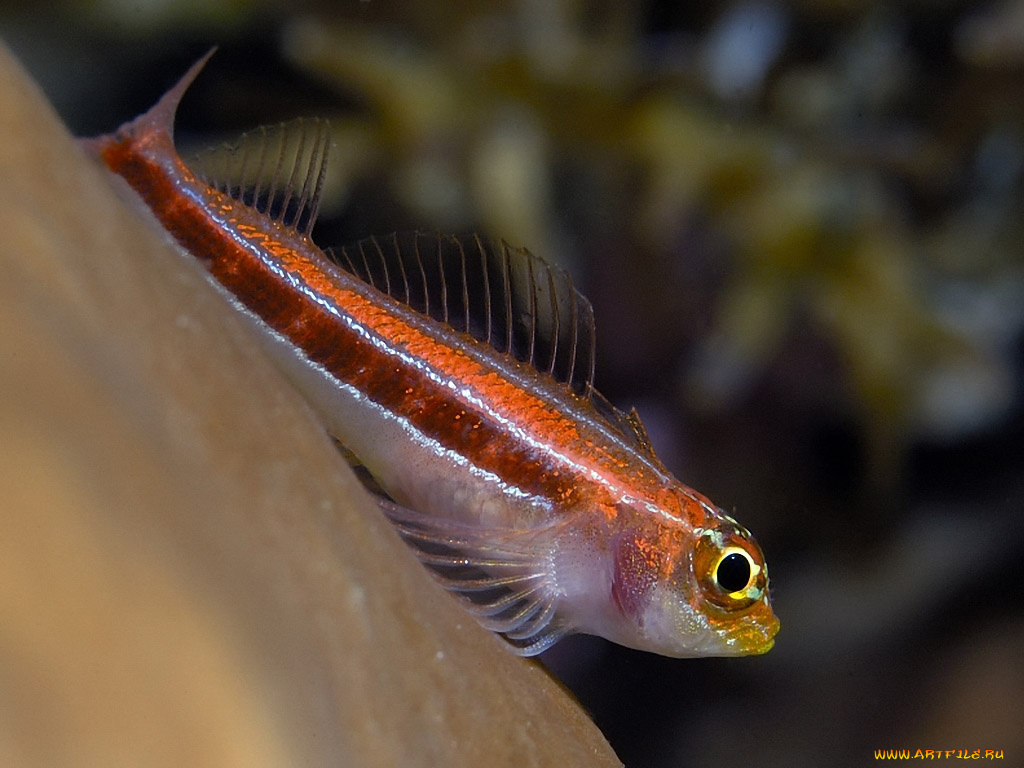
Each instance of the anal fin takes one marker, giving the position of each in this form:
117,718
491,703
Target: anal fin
502,576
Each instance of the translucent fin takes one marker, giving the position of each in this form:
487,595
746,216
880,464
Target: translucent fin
631,419
502,576
503,296
278,170
627,423
158,120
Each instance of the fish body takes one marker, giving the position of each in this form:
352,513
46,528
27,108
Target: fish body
460,374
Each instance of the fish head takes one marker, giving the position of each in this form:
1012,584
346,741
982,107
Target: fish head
699,591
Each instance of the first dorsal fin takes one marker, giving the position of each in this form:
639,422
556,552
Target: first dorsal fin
506,297
628,424
277,170
632,419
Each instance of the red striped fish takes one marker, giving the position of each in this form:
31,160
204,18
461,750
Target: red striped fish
460,373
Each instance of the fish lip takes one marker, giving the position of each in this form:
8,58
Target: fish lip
771,631
761,650
758,637
768,644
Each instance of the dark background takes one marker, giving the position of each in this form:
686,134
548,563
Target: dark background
800,225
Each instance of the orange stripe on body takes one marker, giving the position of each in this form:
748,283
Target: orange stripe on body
520,437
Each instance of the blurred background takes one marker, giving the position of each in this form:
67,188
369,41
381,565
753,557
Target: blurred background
801,227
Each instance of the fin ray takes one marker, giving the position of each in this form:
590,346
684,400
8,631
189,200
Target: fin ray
485,583
297,151
502,576
502,296
534,626
514,615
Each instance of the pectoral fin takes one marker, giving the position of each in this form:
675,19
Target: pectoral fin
503,576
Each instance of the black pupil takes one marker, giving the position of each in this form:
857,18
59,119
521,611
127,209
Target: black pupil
733,572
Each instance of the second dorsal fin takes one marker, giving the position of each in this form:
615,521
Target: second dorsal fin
277,170
504,296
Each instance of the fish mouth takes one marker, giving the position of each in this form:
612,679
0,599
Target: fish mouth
758,636
769,633
763,648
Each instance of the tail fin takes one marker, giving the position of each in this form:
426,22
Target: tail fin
159,119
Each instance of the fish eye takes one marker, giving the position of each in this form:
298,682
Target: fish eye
729,568
734,570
